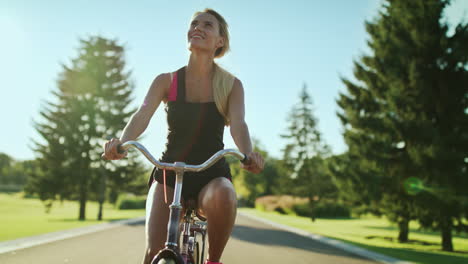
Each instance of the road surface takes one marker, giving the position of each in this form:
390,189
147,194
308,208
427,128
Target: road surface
251,242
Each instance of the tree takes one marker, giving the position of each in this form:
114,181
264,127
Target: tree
6,163
14,173
250,186
305,152
304,139
91,103
406,116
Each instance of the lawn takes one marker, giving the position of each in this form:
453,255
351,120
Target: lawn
378,235
21,217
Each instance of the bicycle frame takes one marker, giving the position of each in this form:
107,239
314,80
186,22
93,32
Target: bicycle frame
172,247
189,244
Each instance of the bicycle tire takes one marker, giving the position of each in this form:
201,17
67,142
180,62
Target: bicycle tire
196,254
202,253
167,261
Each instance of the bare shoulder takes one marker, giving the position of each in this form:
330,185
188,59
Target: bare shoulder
162,80
237,88
161,85
236,103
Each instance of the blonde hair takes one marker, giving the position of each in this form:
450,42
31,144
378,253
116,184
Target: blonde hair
223,80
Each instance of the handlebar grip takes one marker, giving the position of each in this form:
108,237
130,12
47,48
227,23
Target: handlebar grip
246,160
120,150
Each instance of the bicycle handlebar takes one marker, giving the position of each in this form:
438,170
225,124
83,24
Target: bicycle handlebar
181,165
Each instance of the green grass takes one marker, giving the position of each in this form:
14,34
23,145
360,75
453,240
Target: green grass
20,217
378,235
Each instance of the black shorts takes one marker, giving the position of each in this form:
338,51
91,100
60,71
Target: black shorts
193,182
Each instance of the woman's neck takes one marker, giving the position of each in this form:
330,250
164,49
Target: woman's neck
200,65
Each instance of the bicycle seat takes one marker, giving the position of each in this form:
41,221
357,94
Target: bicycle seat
191,204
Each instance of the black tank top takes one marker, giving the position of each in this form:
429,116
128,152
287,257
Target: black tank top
195,130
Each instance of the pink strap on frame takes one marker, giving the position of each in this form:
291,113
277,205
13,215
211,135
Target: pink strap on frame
165,190
211,262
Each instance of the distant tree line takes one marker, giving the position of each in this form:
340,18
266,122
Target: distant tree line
14,173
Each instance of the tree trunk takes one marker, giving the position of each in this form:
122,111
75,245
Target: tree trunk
99,217
446,232
102,196
82,206
403,226
83,198
311,208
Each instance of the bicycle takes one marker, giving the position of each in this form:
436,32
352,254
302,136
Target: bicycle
189,250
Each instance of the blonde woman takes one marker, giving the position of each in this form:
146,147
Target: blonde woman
201,99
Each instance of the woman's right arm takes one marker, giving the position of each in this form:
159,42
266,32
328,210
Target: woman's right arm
140,119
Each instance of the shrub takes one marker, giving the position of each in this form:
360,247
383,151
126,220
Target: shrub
10,188
330,210
283,204
27,195
243,202
303,209
260,207
131,202
266,203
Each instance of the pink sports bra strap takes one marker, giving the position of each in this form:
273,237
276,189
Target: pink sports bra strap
173,89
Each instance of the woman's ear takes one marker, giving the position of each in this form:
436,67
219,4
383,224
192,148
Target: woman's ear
220,42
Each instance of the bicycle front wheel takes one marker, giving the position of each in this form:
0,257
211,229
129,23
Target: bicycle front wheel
196,254
166,261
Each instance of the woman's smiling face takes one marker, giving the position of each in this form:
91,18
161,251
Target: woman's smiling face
204,34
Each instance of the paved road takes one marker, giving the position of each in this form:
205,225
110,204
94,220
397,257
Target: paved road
251,242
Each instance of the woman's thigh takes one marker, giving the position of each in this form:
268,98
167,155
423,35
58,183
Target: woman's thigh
157,215
218,194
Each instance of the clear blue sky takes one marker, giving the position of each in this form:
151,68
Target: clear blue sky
277,46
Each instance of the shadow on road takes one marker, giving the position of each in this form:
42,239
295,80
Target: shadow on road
94,221
137,223
275,237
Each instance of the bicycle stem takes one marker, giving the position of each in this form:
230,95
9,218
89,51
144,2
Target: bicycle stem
175,208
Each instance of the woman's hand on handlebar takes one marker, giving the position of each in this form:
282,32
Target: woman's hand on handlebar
255,163
110,150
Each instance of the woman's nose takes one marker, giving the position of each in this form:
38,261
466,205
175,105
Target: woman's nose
197,27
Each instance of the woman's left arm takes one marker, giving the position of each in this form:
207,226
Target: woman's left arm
239,129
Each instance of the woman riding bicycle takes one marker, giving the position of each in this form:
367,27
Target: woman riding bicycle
201,98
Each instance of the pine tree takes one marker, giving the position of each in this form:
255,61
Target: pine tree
406,117
304,154
305,141
91,103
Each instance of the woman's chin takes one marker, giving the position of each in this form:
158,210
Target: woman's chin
193,47
194,44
